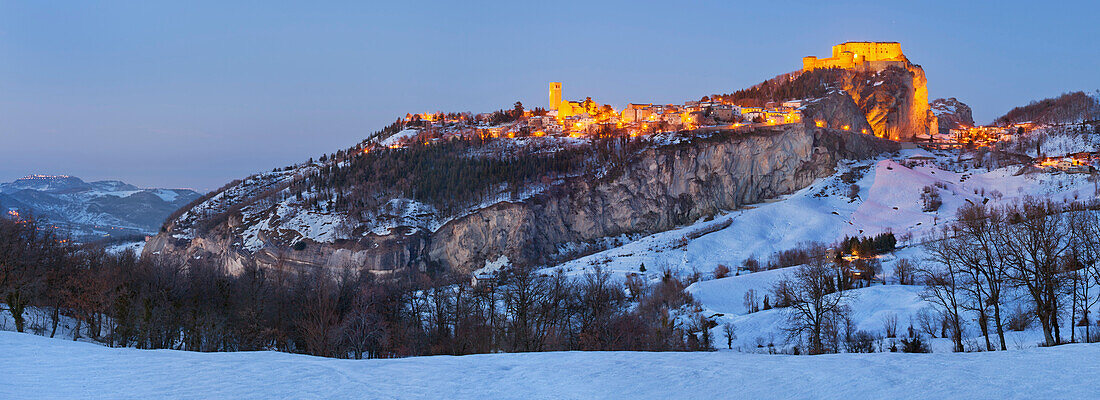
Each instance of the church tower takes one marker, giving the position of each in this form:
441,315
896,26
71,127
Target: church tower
555,95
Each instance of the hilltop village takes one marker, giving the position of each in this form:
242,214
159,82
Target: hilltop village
588,118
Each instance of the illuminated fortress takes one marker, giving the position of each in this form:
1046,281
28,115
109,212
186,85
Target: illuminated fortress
861,56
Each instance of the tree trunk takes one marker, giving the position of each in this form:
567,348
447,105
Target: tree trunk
983,323
16,306
1073,312
957,335
1054,315
1044,319
54,319
1000,325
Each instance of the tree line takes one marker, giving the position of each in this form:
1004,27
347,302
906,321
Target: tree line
449,176
1069,107
1046,251
1036,251
799,85
169,303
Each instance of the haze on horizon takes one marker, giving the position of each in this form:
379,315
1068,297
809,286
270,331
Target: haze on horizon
197,94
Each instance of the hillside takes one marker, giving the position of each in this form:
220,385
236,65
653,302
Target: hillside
91,211
888,200
583,193
49,368
1067,108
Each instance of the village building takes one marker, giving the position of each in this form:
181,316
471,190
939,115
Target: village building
636,112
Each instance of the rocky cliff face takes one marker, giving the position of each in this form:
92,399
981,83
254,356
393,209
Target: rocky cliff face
661,188
894,101
836,110
951,114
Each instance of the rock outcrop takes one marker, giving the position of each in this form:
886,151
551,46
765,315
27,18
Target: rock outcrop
894,101
951,114
661,188
836,110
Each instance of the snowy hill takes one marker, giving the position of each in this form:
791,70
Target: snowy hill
887,199
92,210
39,367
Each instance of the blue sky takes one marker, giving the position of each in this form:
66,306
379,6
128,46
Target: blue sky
194,94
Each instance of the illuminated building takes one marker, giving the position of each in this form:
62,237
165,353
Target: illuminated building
861,56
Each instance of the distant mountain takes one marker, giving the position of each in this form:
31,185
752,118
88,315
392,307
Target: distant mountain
92,210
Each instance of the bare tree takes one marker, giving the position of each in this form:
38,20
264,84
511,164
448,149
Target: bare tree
319,317
730,330
1085,226
1033,242
905,271
751,303
890,325
815,302
942,284
978,229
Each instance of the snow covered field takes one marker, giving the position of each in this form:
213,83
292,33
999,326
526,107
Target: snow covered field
37,367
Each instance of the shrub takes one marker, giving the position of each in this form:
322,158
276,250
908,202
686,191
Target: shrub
1019,320
299,246
861,342
930,199
721,271
914,345
752,264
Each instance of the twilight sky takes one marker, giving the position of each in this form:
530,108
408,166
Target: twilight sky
194,94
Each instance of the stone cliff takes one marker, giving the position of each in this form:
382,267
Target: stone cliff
894,101
662,187
951,114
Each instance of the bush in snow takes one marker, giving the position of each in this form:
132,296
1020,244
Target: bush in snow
861,342
721,271
1019,319
752,264
930,199
914,345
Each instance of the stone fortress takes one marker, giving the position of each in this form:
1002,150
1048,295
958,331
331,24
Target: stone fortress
860,56
893,112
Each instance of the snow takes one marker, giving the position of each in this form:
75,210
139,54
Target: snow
168,195
400,137
136,247
888,200
491,267
38,367
302,223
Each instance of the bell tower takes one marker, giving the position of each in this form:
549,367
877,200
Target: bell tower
555,95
